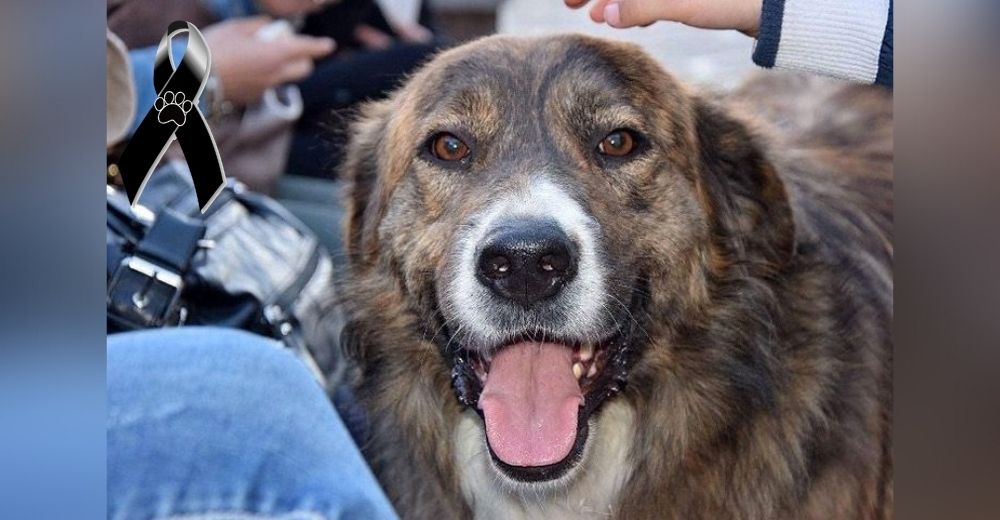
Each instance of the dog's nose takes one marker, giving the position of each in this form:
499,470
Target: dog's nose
527,261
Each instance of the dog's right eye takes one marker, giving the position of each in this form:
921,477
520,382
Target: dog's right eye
447,147
617,144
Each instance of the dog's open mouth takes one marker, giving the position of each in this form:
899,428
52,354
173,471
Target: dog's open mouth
536,395
533,401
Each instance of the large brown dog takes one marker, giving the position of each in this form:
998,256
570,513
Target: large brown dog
577,289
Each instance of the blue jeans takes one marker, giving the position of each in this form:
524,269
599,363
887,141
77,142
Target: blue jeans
218,423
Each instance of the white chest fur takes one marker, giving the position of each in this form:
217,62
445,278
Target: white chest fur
588,491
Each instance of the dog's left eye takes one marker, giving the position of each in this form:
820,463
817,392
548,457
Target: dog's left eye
617,144
447,147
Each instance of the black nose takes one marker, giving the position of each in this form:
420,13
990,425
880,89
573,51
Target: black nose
526,261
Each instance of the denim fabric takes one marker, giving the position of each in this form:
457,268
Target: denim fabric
208,423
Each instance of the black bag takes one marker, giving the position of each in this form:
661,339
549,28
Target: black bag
246,263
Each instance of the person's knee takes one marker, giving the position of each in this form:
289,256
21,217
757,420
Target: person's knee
227,413
211,347
172,363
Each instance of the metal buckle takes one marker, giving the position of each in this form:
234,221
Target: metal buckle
143,294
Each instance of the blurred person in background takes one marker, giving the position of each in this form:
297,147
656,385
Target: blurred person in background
277,92
252,133
373,52
849,40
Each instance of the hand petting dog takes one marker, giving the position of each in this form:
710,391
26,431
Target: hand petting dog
741,15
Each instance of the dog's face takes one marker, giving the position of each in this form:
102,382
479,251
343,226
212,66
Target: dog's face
533,200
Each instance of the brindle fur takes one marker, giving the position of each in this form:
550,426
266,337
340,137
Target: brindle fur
761,219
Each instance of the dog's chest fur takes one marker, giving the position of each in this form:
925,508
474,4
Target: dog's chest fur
592,490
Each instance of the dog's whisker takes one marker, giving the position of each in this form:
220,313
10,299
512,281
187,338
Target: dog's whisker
631,316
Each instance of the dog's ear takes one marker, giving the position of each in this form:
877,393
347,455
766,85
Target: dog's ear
359,171
746,199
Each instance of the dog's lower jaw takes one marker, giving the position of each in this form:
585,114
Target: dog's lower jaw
589,490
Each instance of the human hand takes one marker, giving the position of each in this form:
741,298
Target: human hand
246,65
412,32
741,15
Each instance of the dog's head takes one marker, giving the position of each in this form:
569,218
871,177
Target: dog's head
542,209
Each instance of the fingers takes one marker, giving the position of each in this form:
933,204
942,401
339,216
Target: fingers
308,46
319,47
295,55
631,13
597,10
413,33
302,50
295,71
575,4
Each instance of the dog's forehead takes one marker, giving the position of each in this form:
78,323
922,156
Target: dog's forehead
504,72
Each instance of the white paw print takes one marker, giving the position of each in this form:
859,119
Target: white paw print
172,107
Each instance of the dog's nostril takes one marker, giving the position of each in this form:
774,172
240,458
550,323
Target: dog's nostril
497,266
554,262
527,261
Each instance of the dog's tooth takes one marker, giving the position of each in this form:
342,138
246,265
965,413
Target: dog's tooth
593,370
586,352
577,370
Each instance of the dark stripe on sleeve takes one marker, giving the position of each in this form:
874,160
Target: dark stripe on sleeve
884,76
766,50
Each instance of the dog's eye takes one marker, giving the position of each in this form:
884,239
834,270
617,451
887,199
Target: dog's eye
617,144
447,147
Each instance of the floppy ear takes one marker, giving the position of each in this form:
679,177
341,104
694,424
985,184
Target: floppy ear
746,199
359,171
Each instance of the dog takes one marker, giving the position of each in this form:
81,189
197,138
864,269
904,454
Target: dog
577,288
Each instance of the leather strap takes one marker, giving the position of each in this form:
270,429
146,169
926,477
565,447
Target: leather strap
145,289
172,240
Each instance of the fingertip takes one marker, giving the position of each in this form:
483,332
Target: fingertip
612,14
597,11
325,46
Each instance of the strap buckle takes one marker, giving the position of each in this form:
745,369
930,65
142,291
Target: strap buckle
142,294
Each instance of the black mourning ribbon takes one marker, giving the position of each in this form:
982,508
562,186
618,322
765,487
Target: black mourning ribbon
175,114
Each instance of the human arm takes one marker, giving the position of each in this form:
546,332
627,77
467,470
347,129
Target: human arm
848,39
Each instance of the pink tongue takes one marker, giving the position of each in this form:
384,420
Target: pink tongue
531,400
